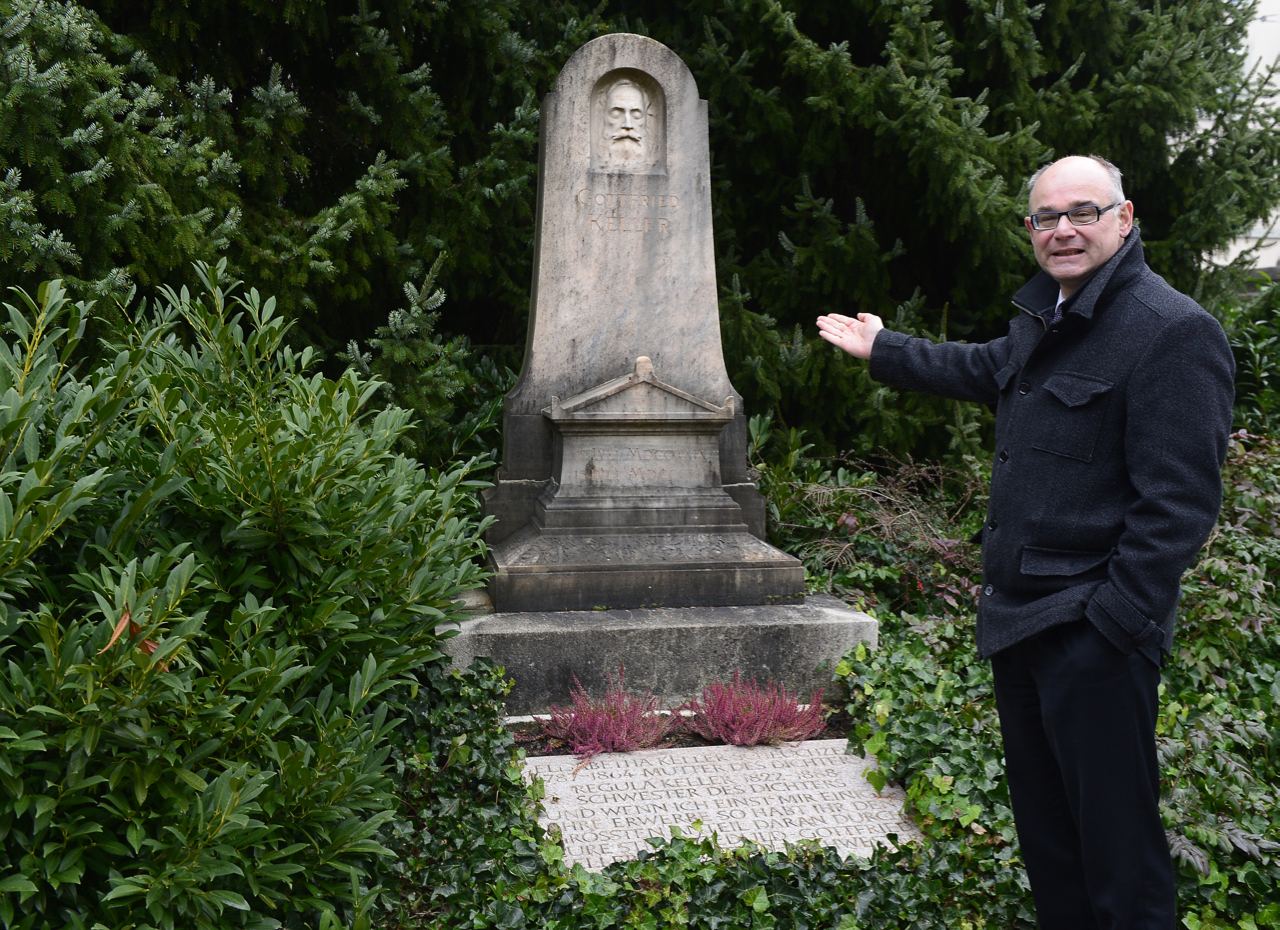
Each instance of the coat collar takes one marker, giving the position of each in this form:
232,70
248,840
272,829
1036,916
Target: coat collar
1039,295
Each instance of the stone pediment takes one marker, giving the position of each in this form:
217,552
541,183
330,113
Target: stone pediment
637,396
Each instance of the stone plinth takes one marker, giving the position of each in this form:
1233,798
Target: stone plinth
607,808
636,515
673,652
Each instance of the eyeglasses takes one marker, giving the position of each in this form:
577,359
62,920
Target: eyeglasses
1079,216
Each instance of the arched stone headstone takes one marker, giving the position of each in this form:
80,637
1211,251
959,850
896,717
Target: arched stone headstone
624,481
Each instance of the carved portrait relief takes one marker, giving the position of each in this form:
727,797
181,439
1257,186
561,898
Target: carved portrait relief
628,123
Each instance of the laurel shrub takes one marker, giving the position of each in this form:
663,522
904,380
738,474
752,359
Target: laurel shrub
219,588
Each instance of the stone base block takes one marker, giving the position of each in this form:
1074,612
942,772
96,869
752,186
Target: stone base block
641,570
673,652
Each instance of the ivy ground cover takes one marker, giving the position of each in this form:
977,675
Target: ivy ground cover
471,854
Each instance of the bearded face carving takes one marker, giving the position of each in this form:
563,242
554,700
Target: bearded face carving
624,118
627,137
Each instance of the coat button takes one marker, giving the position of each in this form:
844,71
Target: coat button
993,526
1004,456
1024,388
988,590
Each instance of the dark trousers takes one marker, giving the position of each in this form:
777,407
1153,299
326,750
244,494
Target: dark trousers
1079,720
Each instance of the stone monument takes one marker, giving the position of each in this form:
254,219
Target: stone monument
624,478
624,484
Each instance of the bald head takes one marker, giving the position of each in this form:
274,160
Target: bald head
1083,163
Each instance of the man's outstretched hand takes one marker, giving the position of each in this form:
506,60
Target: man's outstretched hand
854,336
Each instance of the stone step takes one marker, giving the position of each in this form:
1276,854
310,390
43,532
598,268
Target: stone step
607,808
672,652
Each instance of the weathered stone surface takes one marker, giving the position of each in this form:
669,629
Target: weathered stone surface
636,515
624,265
639,570
476,602
623,421
672,652
635,453
773,795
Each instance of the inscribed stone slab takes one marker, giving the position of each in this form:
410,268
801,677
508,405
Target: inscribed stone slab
773,795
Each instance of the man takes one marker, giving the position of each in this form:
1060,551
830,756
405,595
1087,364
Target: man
1113,397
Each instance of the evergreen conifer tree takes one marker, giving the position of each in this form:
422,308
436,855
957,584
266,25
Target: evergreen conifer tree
871,156
419,372
373,136
866,156
103,180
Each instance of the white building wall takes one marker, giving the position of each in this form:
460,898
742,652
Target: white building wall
1264,46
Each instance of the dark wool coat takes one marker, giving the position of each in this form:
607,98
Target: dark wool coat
1111,430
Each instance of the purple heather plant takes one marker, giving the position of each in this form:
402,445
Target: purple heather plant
744,714
618,722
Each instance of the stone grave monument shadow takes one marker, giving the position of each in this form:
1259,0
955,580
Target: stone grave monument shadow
628,530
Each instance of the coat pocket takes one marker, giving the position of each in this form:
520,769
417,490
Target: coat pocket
1072,415
1061,562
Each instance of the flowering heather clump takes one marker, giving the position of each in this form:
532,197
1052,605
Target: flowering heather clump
744,714
619,722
